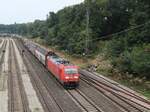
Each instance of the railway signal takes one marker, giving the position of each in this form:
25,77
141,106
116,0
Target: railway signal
3,51
4,62
22,52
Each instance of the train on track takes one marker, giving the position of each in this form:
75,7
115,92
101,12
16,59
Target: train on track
63,70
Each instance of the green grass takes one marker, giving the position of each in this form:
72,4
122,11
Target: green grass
140,88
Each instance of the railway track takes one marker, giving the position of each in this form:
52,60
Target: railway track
10,83
113,93
99,98
46,99
59,100
84,102
2,48
17,95
34,104
0,40
3,75
115,86
71,94
44,96
91,96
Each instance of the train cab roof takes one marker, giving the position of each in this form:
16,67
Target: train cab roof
56,59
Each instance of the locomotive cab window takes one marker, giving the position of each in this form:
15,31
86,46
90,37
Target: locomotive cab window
71,71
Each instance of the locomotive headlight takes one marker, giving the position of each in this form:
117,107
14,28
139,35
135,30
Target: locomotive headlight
66,77
76,77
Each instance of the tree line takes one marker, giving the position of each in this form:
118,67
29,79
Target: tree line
128,51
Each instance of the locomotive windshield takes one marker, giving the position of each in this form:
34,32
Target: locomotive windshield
71,71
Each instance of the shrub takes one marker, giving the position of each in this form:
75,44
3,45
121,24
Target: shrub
123,63
141,61
136,62
115,47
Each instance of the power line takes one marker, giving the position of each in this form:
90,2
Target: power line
123,31
111,35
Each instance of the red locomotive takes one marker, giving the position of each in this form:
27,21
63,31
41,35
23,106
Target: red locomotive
62,69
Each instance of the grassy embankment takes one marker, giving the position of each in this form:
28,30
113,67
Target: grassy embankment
105,68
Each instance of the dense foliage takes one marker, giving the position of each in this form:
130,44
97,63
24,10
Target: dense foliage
129,51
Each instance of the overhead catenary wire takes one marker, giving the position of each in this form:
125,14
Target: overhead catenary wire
112,35
123,31
107,36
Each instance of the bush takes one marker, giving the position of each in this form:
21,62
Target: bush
123,63
141,61
136,62
115,47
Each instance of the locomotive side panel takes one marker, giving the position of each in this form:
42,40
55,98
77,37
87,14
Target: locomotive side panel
52,67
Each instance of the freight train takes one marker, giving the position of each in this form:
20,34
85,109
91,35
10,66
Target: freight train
63,70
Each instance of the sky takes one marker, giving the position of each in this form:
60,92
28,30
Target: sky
23,11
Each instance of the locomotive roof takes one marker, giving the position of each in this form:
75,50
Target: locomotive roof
56,59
